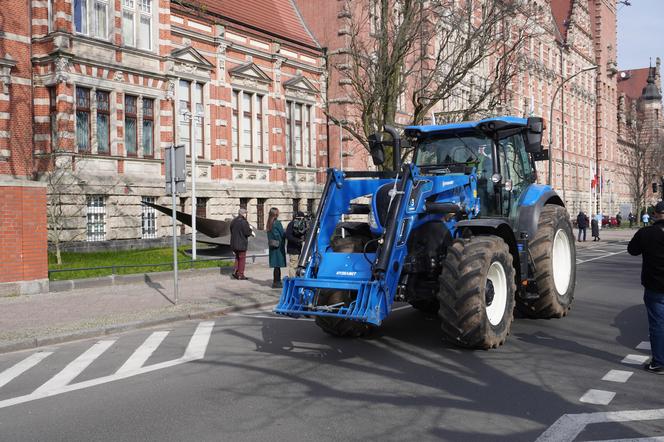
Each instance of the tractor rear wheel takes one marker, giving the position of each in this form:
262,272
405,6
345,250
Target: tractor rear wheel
344,328
554,256
476,295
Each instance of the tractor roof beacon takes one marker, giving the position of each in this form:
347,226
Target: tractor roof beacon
462,230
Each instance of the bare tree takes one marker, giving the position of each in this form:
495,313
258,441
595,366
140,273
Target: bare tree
416,57
66,200
644,153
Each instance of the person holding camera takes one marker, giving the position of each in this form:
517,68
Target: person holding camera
295,232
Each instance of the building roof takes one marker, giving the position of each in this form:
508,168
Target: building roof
631,82
277,17
562,10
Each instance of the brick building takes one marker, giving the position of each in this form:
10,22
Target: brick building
640,136
111,83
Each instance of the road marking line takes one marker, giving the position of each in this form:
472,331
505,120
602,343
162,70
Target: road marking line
203,332
597,397
569,426
600,257
199,341
617,376
22,366
142,353
640,439
645,345
75,367
403,307
635,359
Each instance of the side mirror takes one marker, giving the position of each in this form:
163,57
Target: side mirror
376,149
534,129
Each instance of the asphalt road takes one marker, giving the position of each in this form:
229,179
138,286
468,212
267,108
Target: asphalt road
254,376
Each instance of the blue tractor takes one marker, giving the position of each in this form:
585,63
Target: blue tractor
462,230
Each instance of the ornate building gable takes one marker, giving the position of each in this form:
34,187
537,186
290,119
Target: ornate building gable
249,75
300,87
189,63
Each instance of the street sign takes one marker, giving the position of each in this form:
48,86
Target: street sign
180,169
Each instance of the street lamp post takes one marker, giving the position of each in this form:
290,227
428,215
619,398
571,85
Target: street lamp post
188,117
562,121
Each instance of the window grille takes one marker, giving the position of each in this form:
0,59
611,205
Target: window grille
96,217
83,119
149,218
103,122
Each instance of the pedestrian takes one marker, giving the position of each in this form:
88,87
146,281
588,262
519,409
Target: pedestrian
594,228
582,224
295,231
649,242
630,217
618,219
646,219
240,233
276,242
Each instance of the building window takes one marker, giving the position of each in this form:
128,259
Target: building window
247,126
96,217
244,203
81,16
94,12
191,116
201,207
137,23
296,205
53,117
149,218
130,125
148,127
310,206
298,134
83,119
260,213
49,4
103,122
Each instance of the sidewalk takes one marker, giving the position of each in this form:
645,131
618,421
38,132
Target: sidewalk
606,235
38,320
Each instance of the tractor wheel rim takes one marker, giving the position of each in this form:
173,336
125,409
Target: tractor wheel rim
496,310
562,262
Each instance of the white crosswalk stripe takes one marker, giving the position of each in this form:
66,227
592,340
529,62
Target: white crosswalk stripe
23,366
63,381
142,353
75,367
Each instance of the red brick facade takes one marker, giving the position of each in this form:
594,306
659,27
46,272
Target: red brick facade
23,264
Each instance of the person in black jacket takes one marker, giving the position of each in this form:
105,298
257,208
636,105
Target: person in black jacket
294,240
240,233
649,242
582,224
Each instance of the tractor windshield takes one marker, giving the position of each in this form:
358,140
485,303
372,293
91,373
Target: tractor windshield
453,151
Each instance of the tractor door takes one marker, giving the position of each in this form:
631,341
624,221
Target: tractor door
517,171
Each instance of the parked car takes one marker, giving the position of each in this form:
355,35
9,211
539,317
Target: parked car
609,221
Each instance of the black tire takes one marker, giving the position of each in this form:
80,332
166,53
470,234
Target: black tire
344,328
553,301
430,306
464,286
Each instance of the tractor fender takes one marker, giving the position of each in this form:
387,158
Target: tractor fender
530,206
492,226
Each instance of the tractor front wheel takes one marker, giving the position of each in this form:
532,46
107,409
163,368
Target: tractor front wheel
344,328
476,296
554,257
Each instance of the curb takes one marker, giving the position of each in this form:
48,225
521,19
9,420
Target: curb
119,328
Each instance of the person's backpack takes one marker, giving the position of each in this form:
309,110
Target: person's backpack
300,226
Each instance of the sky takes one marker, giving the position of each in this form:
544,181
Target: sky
640,33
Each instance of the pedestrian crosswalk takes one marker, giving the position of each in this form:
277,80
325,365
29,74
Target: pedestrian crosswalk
65,379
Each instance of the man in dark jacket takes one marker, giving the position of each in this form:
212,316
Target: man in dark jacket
582,224
649,242
294,239
240,233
